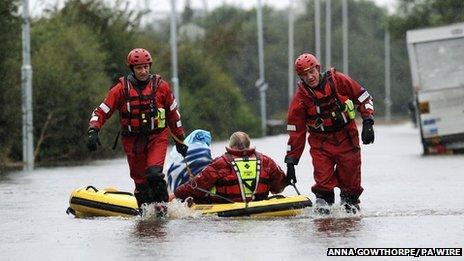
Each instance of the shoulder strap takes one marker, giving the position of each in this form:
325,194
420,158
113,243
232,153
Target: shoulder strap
155,81
126,88
329,77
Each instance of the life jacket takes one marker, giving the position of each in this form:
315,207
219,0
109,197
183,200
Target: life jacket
330,111
246,181
140,113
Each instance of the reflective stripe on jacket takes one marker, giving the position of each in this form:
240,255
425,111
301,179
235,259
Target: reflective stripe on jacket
116,99
140,113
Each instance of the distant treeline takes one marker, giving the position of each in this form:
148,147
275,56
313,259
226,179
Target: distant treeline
79,51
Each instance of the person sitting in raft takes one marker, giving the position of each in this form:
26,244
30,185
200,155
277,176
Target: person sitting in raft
240,175
198,157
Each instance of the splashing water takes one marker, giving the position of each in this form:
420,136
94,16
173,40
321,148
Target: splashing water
171,210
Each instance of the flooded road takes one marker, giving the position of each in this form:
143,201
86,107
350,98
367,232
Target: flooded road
409,201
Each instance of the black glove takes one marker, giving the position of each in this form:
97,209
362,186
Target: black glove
291,177
182,149
93,139
367,134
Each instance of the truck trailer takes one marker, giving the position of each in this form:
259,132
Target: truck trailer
436,57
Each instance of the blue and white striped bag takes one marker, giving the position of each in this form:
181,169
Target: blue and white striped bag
198,157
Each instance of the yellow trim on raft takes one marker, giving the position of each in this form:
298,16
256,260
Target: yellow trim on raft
274,207
89,201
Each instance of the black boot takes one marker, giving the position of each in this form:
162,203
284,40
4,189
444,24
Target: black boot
155,179
321,207
143,194
350,203
323,202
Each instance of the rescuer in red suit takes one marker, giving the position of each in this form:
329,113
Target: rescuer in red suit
324,106
147,113
241,175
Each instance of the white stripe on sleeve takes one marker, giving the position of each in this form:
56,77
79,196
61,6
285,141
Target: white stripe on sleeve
173,105
363,97
104,107
369,106
291,127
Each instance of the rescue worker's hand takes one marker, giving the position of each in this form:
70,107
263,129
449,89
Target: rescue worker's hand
182,149
291,177
367,134
93,139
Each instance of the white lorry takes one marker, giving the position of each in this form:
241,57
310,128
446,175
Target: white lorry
436,57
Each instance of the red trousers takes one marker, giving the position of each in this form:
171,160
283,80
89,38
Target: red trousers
144,151
337,161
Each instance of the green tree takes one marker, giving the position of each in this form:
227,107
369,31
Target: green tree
209,98
414,14
10,80
232,42
117,29
68,80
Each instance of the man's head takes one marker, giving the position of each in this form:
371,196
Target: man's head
308,68
139,61
239,141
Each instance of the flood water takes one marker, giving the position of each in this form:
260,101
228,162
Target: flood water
409,201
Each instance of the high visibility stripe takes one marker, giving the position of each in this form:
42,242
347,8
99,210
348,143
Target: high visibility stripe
369,106
173,105
239,174
363,97
291,127
94,118
178,124
289,148
104,107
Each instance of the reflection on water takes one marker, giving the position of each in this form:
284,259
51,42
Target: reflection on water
337,226
151,228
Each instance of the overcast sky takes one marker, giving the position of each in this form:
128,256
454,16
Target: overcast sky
163,6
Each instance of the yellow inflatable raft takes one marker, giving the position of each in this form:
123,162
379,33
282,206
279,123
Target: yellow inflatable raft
89,201
277,206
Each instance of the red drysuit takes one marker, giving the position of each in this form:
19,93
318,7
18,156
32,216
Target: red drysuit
333,135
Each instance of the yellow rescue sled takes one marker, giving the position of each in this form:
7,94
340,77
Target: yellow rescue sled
89,201
276,206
